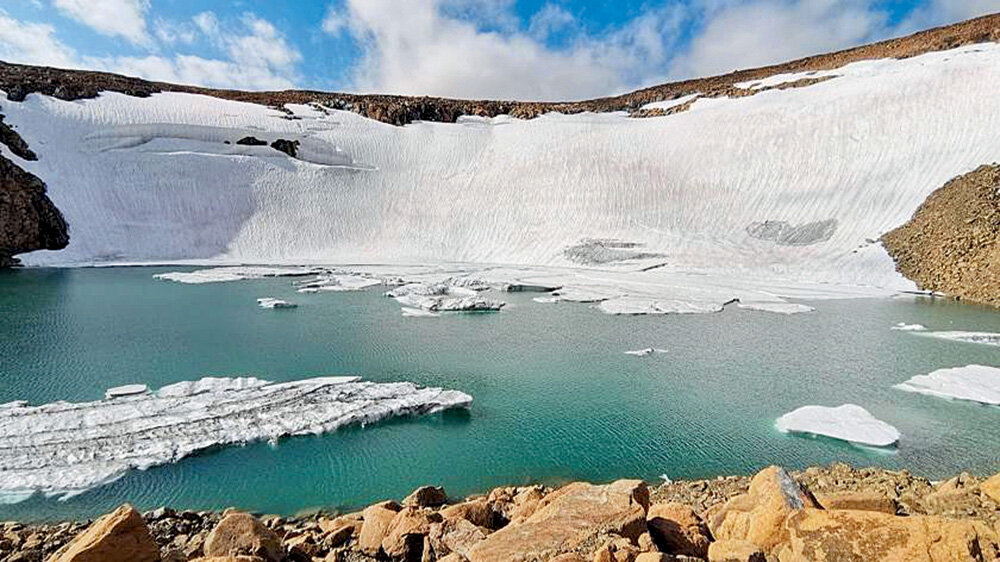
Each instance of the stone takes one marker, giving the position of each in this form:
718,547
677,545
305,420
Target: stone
664,557
675,528
759,515
240,558
454,535
735,551
242,534
479,512
820,535
376,523
427,496
566,519
404,537
289,147
525,503
120,536
339,530
991,488
645,543
862,501
251,141
616,550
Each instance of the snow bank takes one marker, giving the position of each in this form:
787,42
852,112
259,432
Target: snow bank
226,274
849,422
975,383
270,302
63,449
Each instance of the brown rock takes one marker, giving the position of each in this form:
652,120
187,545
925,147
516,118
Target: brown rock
735,551
454,535
479,512
818,535
675,528
645,543
664,557
339,530
120,536
991,488
242,534
568,557
759,515
241,558
426,496
376,522
862,501
568,517
616,550
404,537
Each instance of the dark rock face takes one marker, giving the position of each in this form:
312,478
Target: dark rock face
290,148
29,221
251,141
14,142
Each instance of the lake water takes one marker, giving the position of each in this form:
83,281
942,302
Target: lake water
556,398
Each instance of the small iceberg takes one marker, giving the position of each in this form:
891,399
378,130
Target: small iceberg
546,300
645,352
62,449
226,274
983,338
775,307
440,297
904,327
338,283
849,422
418,313
270,303
974,383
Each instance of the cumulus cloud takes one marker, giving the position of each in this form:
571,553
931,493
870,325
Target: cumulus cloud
941,12
33,43
114,18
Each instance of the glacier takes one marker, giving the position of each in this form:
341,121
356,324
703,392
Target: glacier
63,449
974,383
848,422
754,199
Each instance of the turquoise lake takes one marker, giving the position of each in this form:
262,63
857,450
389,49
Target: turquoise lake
556,397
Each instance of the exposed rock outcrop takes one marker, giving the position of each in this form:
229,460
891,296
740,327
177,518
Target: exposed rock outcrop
952,243
29,220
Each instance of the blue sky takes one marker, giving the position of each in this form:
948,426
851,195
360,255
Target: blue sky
527,49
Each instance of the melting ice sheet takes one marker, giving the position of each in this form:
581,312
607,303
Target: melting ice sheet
975,383
849,422
63,449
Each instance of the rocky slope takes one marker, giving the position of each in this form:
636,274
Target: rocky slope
952,243
835,513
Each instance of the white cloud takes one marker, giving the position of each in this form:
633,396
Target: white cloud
334,22
121,18
942,12
32,43
170,32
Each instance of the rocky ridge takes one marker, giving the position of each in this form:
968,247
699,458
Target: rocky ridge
834,513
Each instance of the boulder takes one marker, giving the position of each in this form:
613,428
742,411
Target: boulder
675,528
427,496
120,536
664,557
480,512
339,530
375,526
991,488
242,534
820,535
616,550
568,518
454,535
735,551
862,501
404,537
759,515
241,558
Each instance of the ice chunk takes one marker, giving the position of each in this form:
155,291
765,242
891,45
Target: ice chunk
777,307
338,283
125,390
645,352
904,327
546,300
442,297
62,449
269,302
984,338
418,313
975,383
224,274
849,422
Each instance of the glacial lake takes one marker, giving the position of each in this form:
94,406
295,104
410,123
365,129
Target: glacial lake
556,397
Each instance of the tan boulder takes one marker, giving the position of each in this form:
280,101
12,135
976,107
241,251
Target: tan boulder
862,501
120,536
567,518
242,534
645,543
991,488
759,515
375,526
479,512
454,535
568,557
819,535
664,557
525,503
675,528
735,551
426,496
404,537
616,550
229,559
453,557
339,530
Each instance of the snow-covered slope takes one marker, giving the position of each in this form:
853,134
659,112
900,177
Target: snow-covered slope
782,189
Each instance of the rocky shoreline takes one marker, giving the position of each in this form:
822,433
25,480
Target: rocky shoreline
834,513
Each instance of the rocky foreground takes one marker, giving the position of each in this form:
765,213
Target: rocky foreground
824,514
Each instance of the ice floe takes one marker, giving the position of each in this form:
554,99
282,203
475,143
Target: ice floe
904,327
984,338
848,422
270,302
441,297
225,274
776,307
338,283
418,313
125,390
975,383
63,449
645,352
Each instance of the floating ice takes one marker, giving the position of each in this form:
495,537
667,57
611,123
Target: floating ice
546,300
62,449
338,283
777,307
645,352
975,383
849,422
904,327
418,313
224,274
442,297
126,390
269,302
984,338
